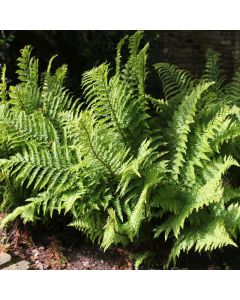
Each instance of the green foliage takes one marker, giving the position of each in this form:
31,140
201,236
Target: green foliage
117,172
140,258
213,69
174,80
180,127
202,135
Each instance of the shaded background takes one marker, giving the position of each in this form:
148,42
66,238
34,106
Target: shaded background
82,50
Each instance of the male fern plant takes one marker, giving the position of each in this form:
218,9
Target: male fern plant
109,166
198,201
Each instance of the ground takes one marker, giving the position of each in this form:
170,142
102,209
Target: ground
45,250
66,249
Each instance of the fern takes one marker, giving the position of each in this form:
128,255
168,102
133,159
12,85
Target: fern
21,128
208,237
119,174
3,85
197,196
174,80
180,127
213,70
27,66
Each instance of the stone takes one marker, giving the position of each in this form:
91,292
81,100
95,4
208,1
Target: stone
85,264
21,265
225,42
4,258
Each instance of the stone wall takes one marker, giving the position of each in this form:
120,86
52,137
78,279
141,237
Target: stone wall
187,48
82,50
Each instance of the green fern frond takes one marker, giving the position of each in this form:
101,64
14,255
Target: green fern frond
55,103
107,98
113,231
53,83
91,226
133,167
27,212
118,56
174,80
41,168
22,128
134,41
208,237
99,145
8,198
213,70
209,193
111,227
232,89
204,195
27,67
232,219
153,177
25,96
140,211
134,75
230,193
218,167
111,167
208,138
140,258
3,84
116,102
171,197
180,127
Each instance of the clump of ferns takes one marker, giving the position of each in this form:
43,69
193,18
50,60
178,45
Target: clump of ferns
116,171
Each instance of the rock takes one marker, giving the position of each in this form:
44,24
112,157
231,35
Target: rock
85,264
4,258
21,265
39,265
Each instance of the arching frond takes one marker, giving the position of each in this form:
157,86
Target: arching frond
209,236
117,172
22,128
213,69
174,80
180,127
